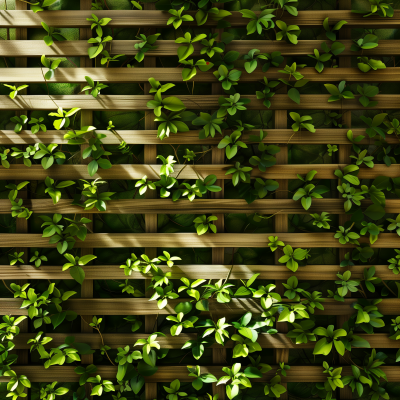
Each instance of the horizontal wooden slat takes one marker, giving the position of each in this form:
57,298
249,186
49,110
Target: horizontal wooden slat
142,306
197,271
114,340
176,240
137,171
138,102
122,75
284,136
147,18
168,373
197,206
35,48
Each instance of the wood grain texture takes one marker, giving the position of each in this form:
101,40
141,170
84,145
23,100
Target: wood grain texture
156,18
86,119
196,102
138,75
176,240
151,219
137,171
21,224
114,340
142,306
321,136
167,373
198,271
197,206
78,48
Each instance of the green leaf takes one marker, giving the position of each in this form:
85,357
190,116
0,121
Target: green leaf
57,319
252,372
184,306
375,212
294,95
77,273
93,167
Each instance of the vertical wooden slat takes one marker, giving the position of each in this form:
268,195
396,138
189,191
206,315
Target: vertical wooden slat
218,157
344,153
22,223
150,157
281,226
86,120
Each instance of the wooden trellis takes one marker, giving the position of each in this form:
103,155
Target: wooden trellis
151,207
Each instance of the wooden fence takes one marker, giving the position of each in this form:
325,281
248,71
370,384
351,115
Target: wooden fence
23,48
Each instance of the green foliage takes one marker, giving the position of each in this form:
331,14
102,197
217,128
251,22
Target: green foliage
37,259
146,44
3,158
226,77
37,125
210,123
239,380
63,116
239,173
291,257
187,47
200,378
365,64
345,236
99,43
51,65
50,392
93,196
51,188
395,263
341,92
231,144
330,33
100,385
260,21
98,24
368,315
266,59
94,88
366,92
321,58
377,7
15,90
75,266
293,93
266,94
369,41
19,121
40,6
231,105
189,70
177,18
52,34
321,221
289,33
309,191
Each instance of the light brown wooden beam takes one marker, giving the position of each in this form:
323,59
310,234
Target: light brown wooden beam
176,240
122,75
114,340
321,136
168,373
142,306
139,102
156,18
197,206
198,271
137,171
78,48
